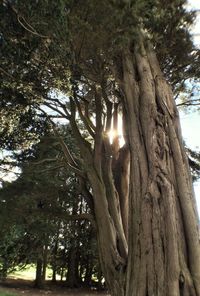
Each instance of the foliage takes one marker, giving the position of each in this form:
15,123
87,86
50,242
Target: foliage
11,251
42,55
194,162
36,210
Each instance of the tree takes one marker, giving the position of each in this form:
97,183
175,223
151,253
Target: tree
44,217
11,251
100,67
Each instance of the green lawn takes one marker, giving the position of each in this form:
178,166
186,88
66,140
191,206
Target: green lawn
28,274
2,293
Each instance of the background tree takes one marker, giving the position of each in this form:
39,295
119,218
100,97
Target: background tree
36,214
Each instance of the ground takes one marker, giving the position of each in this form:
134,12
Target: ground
19,287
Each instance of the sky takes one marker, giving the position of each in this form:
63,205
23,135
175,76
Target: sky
191,135
195,4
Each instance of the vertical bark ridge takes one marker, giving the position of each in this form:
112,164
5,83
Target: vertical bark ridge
163,239
183,178
121,173
165,232
111,261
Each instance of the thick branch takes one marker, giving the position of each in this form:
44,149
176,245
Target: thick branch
84,118
99,131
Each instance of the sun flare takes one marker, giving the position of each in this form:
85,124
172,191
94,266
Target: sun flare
113,133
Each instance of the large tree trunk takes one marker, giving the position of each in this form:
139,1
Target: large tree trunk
164,255
163,234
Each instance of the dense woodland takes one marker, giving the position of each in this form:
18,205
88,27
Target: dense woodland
46,220
89,205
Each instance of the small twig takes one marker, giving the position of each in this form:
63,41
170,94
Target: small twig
67,155
9,171
51,169
8,74
190,103
25,25
45,160
56,110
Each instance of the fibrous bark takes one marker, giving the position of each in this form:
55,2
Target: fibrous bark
146,220
164,255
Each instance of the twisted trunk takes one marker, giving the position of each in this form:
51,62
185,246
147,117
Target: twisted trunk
121,174
163,234
110,236
164,256
110,232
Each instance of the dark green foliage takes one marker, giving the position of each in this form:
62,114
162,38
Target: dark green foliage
44,53
12,252
80,30
48,46
36,210
194,162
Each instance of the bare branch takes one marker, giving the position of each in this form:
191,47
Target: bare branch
56,110
60,104
190,103
68,157
44,160
22,21
84,118
26,26
84,145
6,73
51,169
9,171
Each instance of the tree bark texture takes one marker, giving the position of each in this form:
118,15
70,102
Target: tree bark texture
110,232
146,219
164,254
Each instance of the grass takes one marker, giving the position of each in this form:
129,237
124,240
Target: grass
2,293
28,274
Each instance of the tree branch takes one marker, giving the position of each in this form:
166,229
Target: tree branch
22,21
56,110
85,119
99,131
190,103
